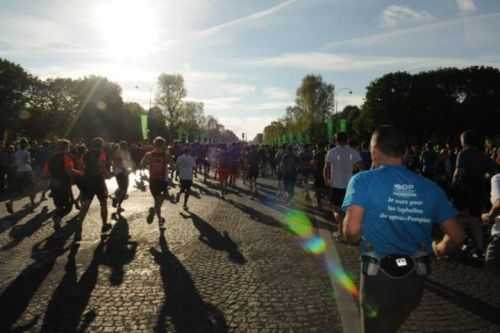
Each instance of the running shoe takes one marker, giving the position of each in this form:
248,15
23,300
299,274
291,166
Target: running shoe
151,215
106,228
8,205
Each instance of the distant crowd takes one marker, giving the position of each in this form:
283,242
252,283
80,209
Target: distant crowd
467,173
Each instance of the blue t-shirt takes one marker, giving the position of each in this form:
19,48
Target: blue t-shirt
400,209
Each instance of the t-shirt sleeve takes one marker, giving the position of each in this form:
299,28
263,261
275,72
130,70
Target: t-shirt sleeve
328,156
68,163
460,161
444,208
356,192
495,188
356,157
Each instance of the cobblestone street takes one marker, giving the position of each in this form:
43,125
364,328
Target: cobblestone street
226,265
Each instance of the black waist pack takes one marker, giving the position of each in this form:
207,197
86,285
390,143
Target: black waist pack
397,266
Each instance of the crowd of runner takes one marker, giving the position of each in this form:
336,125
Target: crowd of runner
467,173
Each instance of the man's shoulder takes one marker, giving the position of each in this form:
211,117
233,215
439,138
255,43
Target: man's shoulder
495,179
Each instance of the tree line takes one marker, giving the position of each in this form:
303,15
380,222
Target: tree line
93,106
432,105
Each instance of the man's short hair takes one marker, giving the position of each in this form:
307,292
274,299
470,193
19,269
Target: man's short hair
159,142
63,144
341,137
23,143
470,138
97,143
390,141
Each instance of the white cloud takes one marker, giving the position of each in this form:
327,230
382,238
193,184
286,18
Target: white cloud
390,36
345,100
348,63
275,93
239,88
394,16
466,6
249,18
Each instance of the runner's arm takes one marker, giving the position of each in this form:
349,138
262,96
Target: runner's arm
493,213
145,160
327,173
352,223
453,238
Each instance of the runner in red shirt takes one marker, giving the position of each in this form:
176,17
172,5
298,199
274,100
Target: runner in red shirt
158,161
60,168
93,182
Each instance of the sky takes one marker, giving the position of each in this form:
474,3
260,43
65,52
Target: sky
245,59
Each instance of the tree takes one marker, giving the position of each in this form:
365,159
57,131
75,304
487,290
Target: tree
14,84
316,99
190,119
169,99
436,104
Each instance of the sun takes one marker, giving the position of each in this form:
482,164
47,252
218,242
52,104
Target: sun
128,28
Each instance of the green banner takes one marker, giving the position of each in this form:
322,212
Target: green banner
144,126
307,139
329,129
343,125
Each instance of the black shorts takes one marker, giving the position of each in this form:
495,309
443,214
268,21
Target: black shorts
306,172
95,187
25,182
469,200
186,184
62,197
253,172
492,257
337,196
158,187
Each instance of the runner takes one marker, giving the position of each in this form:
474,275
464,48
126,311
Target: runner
60,168
339,165
185,165
121,167
93,182
24,176
253,162
289,169
306,158
158,161
318,166
224,167
78,156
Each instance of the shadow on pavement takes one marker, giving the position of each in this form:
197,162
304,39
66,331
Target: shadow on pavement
11,220
469,303
217,241
257,215
19,233
183,303
119,250
71,297
17,296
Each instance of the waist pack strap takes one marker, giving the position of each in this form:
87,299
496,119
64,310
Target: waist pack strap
396,266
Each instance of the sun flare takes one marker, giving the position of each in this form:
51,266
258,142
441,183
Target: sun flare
128,28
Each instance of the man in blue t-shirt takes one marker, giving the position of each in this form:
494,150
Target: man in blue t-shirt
392,210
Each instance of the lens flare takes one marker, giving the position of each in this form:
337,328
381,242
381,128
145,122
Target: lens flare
315,245
299,224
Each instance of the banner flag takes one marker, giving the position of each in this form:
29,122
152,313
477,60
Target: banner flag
144,126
